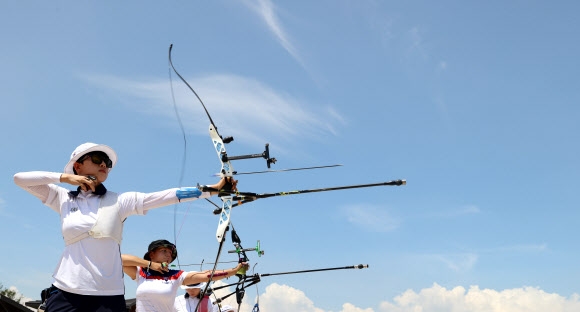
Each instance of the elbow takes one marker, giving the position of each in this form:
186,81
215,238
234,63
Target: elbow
17,179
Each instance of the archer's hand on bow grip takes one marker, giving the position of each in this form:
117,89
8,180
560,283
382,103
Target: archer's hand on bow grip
226,186
229,186
242,268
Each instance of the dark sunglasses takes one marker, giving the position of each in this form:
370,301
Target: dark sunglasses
168,246
97,158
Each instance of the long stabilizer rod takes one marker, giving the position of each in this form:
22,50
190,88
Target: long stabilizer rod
256,277
244,197
358,266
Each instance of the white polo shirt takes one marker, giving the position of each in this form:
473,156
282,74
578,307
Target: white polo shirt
189,304
90,266
156,292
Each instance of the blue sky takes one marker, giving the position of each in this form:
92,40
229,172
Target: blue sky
474,104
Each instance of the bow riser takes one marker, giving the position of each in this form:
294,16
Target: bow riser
227,171
220,148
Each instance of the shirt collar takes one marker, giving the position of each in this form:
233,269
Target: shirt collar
99,190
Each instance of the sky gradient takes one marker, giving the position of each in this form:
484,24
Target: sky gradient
472,103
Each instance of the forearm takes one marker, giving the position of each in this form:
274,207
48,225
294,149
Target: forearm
221,274
37,182
133,261
171,197
204,276
180,195
34,178
130,260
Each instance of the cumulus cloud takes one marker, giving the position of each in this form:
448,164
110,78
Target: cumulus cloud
283,298
348,307
458,299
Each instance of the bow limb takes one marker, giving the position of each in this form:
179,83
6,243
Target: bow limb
226,171
190,88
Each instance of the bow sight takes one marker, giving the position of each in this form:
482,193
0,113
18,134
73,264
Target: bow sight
266,154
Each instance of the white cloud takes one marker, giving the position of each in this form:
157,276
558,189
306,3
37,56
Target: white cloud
458,262
2,207
374,219
267,11
348,307
440,299
239,105
283,298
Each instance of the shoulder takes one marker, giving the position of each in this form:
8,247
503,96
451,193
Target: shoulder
179,300
111,194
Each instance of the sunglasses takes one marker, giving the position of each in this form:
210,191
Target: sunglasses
97,158
170,247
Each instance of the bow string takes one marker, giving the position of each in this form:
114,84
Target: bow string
227,171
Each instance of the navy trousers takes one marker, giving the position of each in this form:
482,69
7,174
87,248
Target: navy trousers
62,301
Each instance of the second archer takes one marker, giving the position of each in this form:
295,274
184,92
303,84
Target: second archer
157,284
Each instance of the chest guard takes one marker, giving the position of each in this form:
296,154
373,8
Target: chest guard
108,224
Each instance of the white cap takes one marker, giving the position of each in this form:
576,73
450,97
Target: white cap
87,148
191,286
227,308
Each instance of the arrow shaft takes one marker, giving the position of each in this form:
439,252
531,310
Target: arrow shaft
284,170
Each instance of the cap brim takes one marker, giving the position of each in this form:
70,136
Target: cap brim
99,147
200,286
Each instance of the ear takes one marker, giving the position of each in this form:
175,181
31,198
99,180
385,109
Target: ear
76,167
